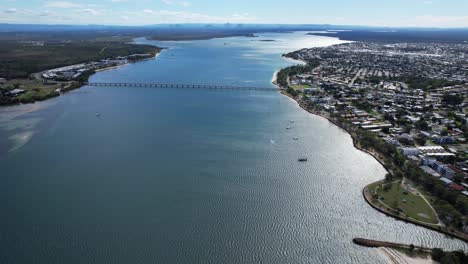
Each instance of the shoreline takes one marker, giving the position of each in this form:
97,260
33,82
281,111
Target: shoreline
376,157
75,85
368,198
128,63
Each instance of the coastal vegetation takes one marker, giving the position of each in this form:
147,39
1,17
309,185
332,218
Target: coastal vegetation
20,60
449,257
284,74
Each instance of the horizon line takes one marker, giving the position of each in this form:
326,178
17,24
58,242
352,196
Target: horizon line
229,23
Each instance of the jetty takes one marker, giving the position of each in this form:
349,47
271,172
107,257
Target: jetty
376,244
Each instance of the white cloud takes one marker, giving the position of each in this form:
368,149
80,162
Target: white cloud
46,13
149,12
181,3
167,16
11,10
90,11
62,4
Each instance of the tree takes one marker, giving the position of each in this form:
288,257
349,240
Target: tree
452,99
421,140
437,254
422,125
388,177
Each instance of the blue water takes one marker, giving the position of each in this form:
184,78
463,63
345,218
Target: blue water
188,176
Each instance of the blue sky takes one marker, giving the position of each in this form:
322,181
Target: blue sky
421,13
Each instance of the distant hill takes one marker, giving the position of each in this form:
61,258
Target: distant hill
201,31
403,35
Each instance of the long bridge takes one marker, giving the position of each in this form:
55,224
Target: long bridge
182,86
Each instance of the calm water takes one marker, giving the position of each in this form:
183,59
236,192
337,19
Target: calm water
188,176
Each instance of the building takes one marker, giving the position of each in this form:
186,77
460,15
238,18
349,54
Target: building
16,92
430,171
446,181
410,151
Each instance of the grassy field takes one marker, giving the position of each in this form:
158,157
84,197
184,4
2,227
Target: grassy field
408,203
300,86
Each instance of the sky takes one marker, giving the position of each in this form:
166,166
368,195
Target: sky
395,13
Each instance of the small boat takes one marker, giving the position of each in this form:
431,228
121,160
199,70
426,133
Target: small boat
302,159
292,122
295,138
98,115
289,127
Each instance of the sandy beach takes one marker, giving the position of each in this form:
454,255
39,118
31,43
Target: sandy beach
393,256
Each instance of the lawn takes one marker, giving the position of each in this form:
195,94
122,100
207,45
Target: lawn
410,204
300,86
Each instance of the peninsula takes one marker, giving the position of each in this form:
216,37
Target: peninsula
404,103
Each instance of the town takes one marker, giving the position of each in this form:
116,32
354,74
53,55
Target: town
410,96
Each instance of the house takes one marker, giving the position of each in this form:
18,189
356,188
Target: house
430,171
443,140
443,169
405,138
16,92
409,151
446,181
457,187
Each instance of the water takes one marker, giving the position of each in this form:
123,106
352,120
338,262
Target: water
188,176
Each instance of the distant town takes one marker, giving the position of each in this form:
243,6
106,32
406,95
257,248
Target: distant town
25,84
404,96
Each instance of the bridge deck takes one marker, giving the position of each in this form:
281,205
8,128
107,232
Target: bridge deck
184,86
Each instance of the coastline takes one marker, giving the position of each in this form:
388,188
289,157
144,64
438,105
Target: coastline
128,63
74,85
375,155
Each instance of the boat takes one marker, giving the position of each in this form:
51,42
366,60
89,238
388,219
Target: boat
289,127
295,138
292,122
302,159
98,115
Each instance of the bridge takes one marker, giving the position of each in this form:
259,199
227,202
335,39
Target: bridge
183,86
